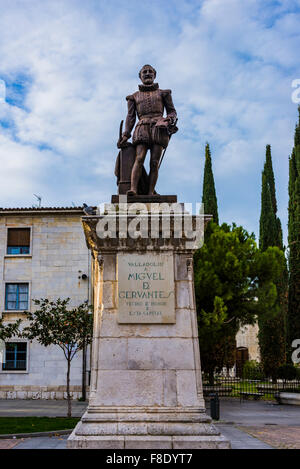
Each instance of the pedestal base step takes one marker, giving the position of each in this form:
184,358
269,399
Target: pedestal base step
160,429
148,442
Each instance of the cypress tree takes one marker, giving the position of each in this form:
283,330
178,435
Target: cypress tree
268,169
272,325
294,240
209,198
267,222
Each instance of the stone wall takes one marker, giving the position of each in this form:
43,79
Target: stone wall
248,337
39,392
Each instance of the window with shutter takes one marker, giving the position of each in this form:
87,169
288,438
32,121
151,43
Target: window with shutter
18,240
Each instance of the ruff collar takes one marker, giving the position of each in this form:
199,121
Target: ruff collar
152,87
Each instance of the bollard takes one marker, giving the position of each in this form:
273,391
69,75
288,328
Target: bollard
214,406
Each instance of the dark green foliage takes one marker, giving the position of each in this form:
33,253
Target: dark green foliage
267,223
53,323
15,425
279,234
270,225
268,170
230,274
272,324
287,372
294,240
9,330
209,198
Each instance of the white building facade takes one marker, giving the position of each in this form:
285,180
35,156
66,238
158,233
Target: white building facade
43,254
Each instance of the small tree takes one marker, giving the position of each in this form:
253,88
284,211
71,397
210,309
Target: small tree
53,323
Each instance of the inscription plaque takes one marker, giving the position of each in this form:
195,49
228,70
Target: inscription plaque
146,288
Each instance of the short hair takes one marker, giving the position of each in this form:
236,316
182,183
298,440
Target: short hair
150,66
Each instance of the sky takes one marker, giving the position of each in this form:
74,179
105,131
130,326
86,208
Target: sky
66,67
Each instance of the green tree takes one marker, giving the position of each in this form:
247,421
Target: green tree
294,240
272,324
53,323
209,198
234,284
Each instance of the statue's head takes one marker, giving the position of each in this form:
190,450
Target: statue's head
147,74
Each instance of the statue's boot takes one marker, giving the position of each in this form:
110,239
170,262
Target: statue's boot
131,192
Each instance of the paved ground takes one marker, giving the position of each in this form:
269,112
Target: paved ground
240,439
256,413
9,444
39,408
54,442
281,436
250,413
248,424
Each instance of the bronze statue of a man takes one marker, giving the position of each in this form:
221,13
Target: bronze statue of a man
152,131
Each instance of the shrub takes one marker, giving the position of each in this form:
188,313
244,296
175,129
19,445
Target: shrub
252,370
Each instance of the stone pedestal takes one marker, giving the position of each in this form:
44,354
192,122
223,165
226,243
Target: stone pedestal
146,389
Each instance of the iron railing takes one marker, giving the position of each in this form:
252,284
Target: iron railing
243,387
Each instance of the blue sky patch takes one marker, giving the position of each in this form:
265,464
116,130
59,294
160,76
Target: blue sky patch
17,88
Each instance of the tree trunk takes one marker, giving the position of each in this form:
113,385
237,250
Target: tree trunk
69,414
211,377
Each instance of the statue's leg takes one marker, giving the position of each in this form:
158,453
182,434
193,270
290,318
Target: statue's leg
156,152
141,150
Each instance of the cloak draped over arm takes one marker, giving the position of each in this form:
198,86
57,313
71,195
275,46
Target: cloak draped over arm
168,102
131,116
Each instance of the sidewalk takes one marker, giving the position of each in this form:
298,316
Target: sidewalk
39,408
257,413
54,442
240,439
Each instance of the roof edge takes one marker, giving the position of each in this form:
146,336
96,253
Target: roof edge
39,210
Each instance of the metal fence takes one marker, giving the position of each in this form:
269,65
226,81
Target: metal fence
244,388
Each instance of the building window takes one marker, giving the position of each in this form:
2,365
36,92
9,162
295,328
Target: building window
16,296
18,240
15,356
